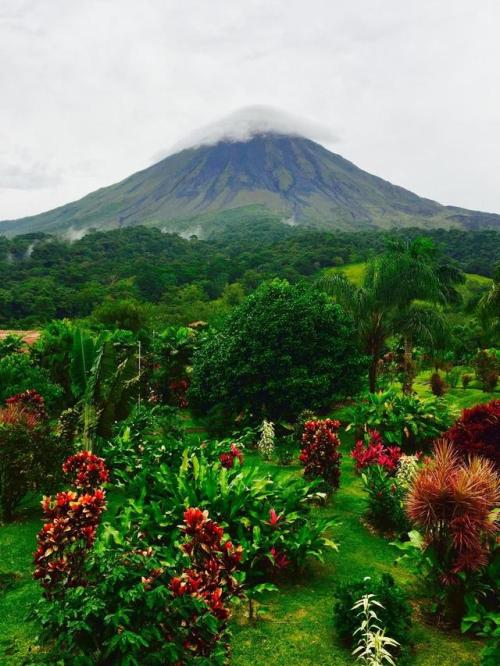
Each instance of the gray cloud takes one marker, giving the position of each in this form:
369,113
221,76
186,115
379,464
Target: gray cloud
90,90
27,177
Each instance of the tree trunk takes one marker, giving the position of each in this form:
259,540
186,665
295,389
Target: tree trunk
407,366
372,374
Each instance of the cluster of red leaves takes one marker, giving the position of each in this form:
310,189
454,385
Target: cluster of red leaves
16,415
88,470
227,458
320,451
210,575
69,531
70,525
477,432
451,501
178,388
29,401
375,453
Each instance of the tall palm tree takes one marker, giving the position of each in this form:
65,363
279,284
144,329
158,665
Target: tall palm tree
412,282
401,293
369,313
489,306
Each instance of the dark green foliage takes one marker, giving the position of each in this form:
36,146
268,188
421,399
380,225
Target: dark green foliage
487,368
258,512
147,438
30,458
385,500
127,315
395,617
286,347
402,419
18,373
76,276
11,344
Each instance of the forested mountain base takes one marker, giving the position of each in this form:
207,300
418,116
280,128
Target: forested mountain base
45,277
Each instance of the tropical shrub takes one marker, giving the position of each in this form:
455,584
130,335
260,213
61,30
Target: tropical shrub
298,428
466,380
453,376
259,513
403,420
148,437
395,615
285,450
406,471
70,525
487,368
375,453
11,344
69,531
286,347
52,352
320,454
28,453
481,616
265,445
18,374
477,432
452,502
149,605
385,499
438,385
29,401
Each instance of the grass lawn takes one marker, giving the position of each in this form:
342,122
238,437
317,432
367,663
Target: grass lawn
296,624
458,397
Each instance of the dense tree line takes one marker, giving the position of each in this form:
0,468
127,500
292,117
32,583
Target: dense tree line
45,277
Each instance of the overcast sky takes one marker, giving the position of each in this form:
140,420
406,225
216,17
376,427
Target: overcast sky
93,90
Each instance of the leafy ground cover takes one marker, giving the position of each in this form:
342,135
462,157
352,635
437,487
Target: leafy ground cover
295,625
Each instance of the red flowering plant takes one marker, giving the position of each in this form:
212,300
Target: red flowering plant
178,389
70,525
477,432
88,470
376,453
210,577
30,401
320,452
227,458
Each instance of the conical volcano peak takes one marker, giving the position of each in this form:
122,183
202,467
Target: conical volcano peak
258,159
252,121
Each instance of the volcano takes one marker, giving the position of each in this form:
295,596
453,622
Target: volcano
292,177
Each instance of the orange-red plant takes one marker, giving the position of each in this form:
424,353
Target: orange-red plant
451,502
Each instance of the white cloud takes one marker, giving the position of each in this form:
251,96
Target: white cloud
243,124
90,90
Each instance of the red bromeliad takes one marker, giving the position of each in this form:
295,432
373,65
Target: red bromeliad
227,459
375,453
279,558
